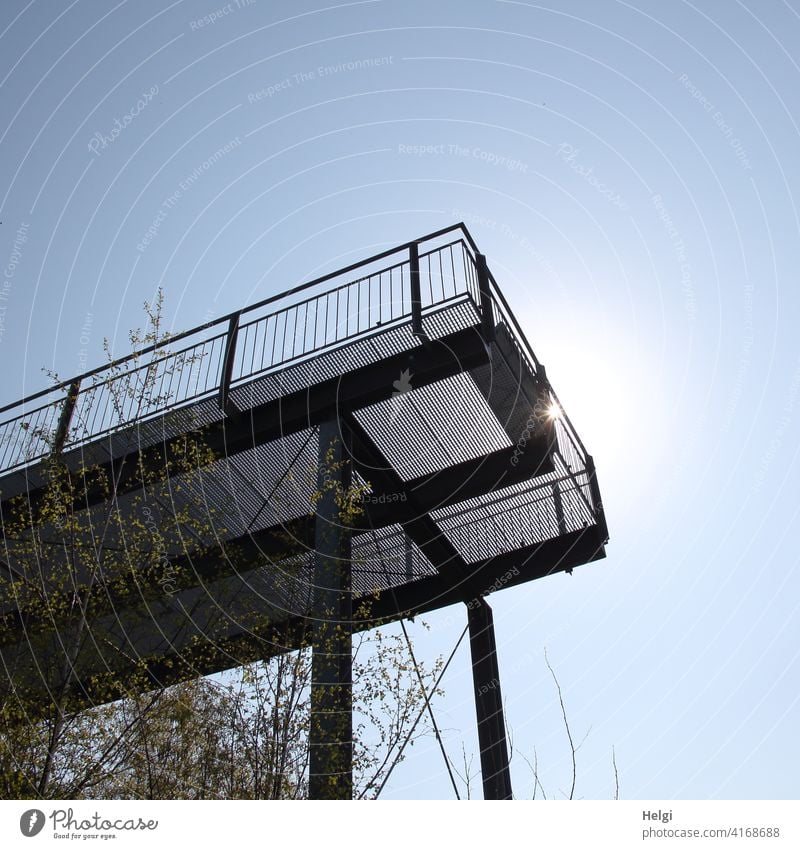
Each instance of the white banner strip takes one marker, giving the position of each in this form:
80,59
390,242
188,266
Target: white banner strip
331,825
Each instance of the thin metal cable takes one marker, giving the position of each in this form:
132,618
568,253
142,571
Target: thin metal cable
283,477
419,674
419,716
430,712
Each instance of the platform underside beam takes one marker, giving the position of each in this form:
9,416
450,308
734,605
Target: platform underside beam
292,412
238,641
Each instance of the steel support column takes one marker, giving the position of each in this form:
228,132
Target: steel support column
488,702
331,731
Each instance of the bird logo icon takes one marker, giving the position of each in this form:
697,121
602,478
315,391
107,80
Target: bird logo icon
403,384
402,387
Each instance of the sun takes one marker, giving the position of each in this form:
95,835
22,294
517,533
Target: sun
553,411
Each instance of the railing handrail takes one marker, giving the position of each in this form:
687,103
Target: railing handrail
65,384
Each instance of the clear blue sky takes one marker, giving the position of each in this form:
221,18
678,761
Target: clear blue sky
629,168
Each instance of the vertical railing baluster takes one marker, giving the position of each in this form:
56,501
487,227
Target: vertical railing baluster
597,503
487,317
62,429
416,296
227,361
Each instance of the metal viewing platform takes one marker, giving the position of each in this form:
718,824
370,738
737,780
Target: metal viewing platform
409,367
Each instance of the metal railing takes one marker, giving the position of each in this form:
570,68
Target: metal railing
390,288
571,454
367,304
356,301
332,310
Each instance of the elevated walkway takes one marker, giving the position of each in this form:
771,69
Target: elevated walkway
469,483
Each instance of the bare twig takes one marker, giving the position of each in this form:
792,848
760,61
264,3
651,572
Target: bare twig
534,768
429,707
583,739
566,725
468,773
399,754
616,774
